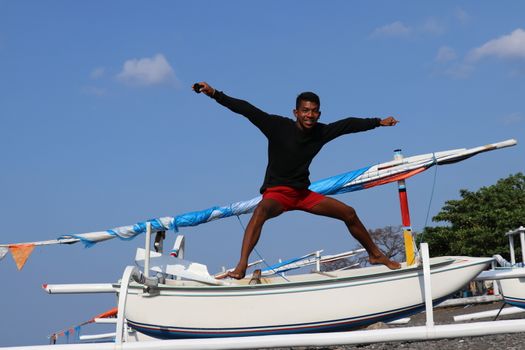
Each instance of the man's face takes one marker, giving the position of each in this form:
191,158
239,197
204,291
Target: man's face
307,114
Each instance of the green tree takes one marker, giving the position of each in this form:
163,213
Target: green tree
478,221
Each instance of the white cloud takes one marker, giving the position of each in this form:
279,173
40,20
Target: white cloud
459,71
461,15
147,71
433,26
395,29
97,73
446,54
506,46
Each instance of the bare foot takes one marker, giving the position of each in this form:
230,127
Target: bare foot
382,259
238,273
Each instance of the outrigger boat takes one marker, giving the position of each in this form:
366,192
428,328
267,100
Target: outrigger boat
510,276
183,301
314,302
508,279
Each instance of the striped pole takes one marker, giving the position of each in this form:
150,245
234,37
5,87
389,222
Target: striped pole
410,246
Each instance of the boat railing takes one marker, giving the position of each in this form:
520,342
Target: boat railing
501,268
521,232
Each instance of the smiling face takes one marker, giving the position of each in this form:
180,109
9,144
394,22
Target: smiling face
307,114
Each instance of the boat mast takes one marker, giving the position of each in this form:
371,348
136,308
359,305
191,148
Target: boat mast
410,246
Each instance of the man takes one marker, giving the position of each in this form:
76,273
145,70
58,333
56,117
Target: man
292,145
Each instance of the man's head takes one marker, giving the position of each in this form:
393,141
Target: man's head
307,110
307,96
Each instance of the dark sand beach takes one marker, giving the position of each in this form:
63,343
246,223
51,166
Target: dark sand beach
445,316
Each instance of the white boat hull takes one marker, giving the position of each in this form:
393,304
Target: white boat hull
513,289
307,303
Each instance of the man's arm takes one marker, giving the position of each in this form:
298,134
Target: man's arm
353,125
254,114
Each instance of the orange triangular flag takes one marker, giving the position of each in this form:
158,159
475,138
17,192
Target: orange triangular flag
20,253
109,313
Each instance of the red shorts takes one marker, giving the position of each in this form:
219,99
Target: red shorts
293,199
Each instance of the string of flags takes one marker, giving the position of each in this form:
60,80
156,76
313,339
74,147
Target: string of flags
75,330
21,251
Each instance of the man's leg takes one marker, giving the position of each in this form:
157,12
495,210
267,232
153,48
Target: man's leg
266,209
335,209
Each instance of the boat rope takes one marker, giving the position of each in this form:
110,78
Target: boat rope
434,162
259,255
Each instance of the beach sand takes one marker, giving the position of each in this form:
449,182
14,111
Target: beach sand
444,316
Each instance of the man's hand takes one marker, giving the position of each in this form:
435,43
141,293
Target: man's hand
204,88
389,121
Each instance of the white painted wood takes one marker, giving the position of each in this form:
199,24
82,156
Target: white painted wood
427,285
305,340
90,337
106,320
79,288
491,313
147,249
122,301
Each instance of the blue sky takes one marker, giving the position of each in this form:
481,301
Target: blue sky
100,128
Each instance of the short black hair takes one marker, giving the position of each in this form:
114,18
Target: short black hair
307,96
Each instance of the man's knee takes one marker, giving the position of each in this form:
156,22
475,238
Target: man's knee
260,212
264,211
349,214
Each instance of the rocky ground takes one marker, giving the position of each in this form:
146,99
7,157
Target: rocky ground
445,316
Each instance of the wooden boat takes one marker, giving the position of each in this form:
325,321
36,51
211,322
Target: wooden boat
510,276
315,302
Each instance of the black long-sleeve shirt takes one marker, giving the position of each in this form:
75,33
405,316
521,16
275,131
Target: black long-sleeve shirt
290,149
